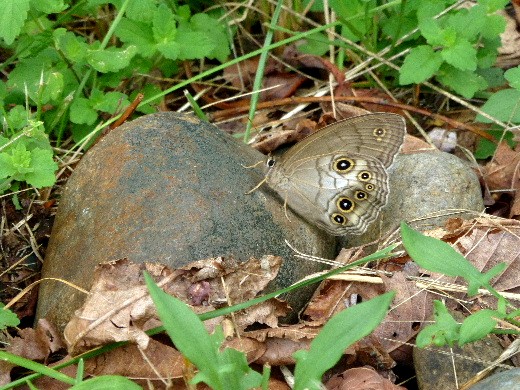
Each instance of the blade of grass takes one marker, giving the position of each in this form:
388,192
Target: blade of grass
34,366
260,70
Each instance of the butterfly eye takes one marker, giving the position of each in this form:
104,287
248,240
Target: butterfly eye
338,219
345,204
361,195
364,176
270,162
343,164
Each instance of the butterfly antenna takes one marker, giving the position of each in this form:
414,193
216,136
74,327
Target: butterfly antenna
252,166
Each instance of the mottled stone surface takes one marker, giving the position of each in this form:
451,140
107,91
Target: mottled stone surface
423,183
434,367
506,380
169,188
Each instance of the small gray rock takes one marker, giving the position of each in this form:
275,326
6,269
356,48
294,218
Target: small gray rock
169,188
506,380
421,184
434,367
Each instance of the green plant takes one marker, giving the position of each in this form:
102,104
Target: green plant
504,106
440,39
224,369
7,318
67,81
27,156
437,256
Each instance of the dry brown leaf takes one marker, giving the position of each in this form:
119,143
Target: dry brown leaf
251,347
38,343
162,361
410,308
296,58
119,308
279,351
362,378
263,313
272,140
503,173
487,243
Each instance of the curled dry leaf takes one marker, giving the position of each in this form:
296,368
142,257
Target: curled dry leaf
119,308
38,343
486,242
410,309
282,342
503,173
162,361
272,140
35,344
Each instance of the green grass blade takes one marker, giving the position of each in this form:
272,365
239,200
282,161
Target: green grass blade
342,330
187,332
34,366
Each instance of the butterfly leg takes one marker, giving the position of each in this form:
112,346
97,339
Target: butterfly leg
285,209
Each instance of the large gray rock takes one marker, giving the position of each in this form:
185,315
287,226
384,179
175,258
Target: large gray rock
421,184
171,189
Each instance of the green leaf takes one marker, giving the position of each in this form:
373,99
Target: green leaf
73,47
15,162
487,148
164,26
503,105
141,10
138,34
435,35
353,28
316,44
462,55
494,77
43,169
342,330
108,102
495,25
444,331
478,325
437,256
49,6
464,82
193,45
468,23
111,59
7,318
494,5
81,111
513,76
13,14
107,382
210,33
17,117
419,65
488,52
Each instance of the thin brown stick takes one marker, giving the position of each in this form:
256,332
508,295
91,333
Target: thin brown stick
129,110
383,102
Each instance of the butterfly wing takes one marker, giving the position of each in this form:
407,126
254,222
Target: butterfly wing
340,202
336,178
379,135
